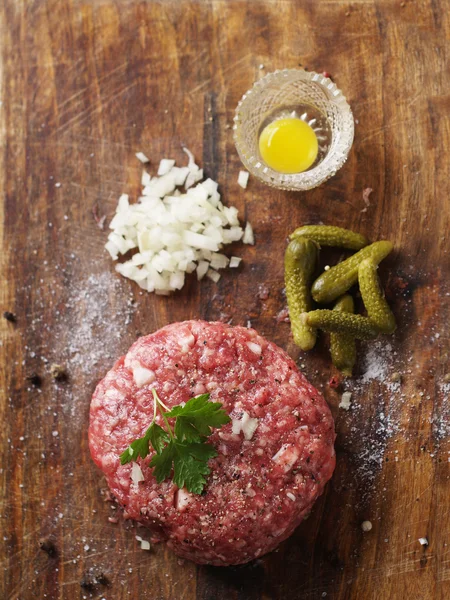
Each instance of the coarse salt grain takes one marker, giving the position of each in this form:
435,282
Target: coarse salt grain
366,526
346,400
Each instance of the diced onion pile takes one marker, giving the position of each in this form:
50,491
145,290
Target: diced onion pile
175,233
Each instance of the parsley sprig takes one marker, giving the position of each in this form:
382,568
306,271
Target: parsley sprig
182,450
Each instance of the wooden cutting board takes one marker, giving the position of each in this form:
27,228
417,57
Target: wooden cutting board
85,85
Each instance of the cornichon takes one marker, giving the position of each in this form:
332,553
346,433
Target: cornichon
300,261
340,322
343,345
373,297
337,280
328,235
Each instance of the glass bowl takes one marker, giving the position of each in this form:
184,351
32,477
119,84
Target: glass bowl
291,88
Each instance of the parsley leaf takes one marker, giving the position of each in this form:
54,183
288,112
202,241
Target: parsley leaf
155,435
162,462
189,464
158,437
183,451
137,448
196,419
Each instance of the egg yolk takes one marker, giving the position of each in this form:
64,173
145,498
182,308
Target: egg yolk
288,145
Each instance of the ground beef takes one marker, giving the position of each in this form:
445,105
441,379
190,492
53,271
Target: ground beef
259,489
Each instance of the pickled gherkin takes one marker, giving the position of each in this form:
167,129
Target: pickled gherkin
373,297
340,322
328,235
300,262
343,345
340,278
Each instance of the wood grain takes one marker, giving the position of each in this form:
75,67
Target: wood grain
85,85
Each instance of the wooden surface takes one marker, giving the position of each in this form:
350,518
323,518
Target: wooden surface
85,85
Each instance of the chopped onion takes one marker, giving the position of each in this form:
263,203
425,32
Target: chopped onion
145,545
235,261
249,237
190,156
286,456
145,179
136,473
165,165
213,275
246,424
249,428
197,240
256,348
219,261
174,233
142,376
202,269
141,156
345,400
243,178
183,498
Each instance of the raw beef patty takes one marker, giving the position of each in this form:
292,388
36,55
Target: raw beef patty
274,458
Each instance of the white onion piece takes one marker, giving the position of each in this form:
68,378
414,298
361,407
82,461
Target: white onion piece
202,269
249,237
141,156
191,163
243,178
345,402
180,174
249,428
246,424
255,348
235,261
213,275
286,456
142,376
145,179
219,261
182,499
136,473
165,165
